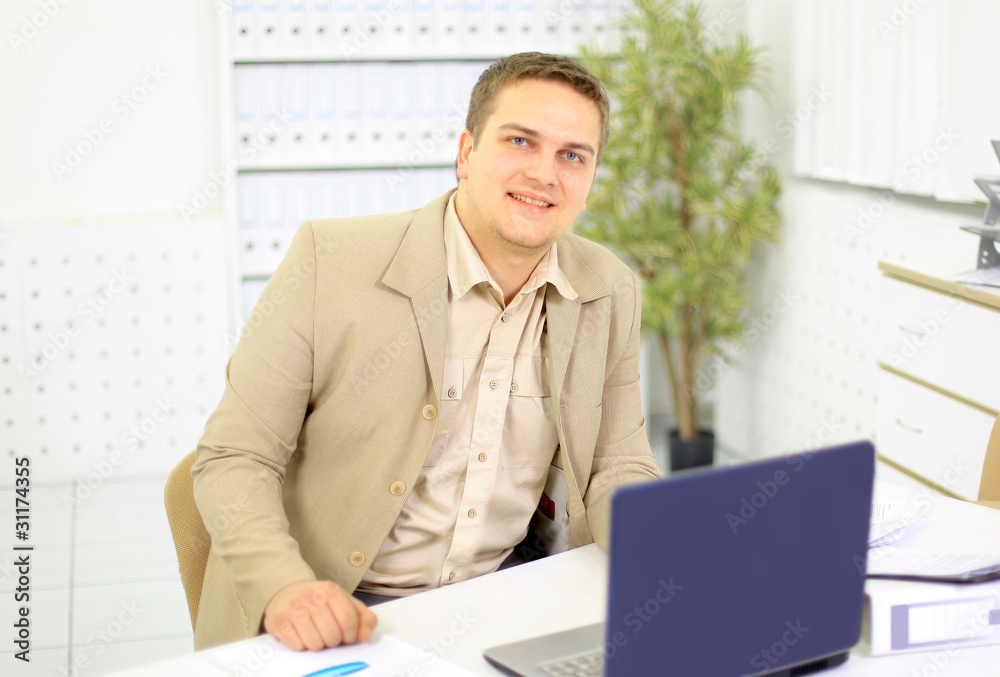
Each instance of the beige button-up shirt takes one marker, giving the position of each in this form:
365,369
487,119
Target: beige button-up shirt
496,435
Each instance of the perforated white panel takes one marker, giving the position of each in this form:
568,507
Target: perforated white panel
807,377
112,343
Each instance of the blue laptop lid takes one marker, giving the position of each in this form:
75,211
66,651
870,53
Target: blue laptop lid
740,570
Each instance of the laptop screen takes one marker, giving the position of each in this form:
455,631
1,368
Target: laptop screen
740,570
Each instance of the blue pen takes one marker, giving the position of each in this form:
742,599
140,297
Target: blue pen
345,669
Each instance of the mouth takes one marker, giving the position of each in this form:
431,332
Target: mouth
530,200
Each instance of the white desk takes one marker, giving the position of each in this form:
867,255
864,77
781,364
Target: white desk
456,623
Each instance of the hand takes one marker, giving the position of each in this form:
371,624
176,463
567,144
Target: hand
317,614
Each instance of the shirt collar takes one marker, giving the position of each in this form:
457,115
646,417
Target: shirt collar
466,269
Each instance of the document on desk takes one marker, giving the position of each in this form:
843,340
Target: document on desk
384,656
892,514
892,562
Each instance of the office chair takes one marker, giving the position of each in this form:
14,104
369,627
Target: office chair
191,539
989,485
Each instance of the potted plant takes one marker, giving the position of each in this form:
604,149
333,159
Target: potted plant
680,194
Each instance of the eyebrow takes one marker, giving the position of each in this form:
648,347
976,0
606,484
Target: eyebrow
527,131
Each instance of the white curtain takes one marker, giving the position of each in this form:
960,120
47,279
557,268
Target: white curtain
898,94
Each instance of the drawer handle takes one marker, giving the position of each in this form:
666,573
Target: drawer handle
902,425
915,332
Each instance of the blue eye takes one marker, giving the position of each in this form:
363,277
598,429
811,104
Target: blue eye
519,140
573,156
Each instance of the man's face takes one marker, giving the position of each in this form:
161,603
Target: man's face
540,143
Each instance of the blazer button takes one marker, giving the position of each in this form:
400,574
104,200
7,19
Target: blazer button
357,559
397,488
429,412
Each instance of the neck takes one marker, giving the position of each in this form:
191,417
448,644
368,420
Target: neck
511,275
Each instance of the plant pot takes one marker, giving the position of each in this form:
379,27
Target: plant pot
691,453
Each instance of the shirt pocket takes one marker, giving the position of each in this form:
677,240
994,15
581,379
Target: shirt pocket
530,436
452,387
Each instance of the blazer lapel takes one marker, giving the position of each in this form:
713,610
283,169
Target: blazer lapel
419,270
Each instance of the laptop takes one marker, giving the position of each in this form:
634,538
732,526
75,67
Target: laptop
732,571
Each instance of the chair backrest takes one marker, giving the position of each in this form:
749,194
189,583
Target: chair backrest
989,485
191,539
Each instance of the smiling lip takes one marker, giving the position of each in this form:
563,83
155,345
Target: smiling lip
531,200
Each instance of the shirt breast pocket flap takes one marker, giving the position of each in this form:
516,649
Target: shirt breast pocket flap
530,433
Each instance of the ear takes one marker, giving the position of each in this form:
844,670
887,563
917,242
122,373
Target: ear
464,150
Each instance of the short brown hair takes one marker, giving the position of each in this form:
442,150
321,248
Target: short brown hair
510,69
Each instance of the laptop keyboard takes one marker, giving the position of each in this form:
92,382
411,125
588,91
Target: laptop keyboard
589,664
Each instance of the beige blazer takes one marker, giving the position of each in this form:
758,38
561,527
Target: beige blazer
331,404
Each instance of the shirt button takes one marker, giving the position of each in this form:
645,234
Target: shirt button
397,488
513,387
451,576
357,559
472,513
505,317
482,457
452,392
494,384
429,412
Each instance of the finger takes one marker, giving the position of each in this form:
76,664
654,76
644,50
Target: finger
286,634
347,616
367,620
309,634
323,618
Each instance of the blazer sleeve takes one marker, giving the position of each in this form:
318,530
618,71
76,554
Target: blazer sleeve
622,454
241,458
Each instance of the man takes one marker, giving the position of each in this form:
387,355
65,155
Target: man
407,381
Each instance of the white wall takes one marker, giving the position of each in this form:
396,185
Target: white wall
63,79
809,372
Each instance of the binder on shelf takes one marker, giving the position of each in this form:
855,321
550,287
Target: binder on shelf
273,125
374,25
320,29
905,617
397,28
325,197
598,26
500,32
294,22
423,27
245,30
401,82
527,25
348,147
247,118
375,142
323,128
427,137
475,39
270,29
349,38
450,28
572,26
297,105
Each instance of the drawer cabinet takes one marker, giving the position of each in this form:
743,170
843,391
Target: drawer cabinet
939,377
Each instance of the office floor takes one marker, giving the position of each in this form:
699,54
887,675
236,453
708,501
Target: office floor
105,589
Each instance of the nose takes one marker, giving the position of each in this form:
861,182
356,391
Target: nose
542,167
